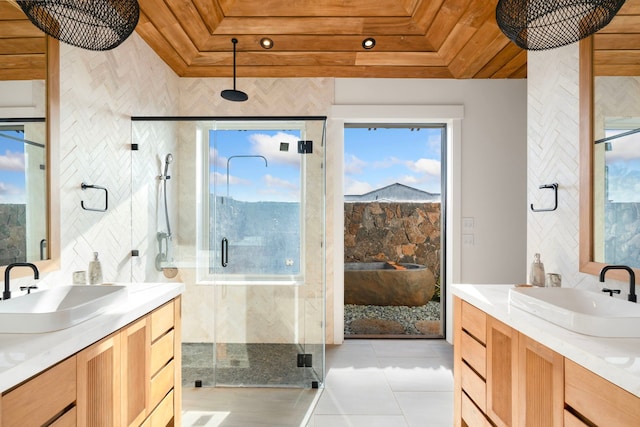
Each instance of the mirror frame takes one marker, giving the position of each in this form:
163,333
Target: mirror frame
586,101
53,162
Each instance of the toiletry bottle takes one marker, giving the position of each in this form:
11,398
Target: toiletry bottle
95,270
536,276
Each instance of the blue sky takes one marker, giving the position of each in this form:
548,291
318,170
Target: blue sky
12,161
623,176
372,159
249,179
377,158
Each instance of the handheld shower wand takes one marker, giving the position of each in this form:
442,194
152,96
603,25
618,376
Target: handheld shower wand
168,159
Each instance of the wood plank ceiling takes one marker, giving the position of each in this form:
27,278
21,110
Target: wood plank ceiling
22,46
323,38
617,46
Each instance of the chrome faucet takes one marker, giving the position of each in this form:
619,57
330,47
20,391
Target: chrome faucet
7,289
632,279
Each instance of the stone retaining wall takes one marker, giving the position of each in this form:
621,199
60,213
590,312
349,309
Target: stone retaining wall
405,232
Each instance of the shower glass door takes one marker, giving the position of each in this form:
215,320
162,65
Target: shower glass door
265,251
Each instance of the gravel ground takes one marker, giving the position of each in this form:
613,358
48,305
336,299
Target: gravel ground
407,316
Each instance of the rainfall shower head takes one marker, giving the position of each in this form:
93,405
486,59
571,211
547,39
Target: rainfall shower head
168,159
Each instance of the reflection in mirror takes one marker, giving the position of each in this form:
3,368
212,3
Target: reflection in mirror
610,146
23,195
29,97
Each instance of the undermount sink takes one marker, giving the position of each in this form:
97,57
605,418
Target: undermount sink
579,310
57,308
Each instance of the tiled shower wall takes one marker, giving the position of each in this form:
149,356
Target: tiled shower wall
99,93
553,156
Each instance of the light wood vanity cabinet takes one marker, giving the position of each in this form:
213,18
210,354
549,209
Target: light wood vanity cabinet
125,379
48,397
591,398
526,383
506,379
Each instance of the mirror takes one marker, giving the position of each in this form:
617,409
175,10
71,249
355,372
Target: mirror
609,142
29,98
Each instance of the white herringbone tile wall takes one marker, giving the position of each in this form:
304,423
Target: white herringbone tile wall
99,93
553,156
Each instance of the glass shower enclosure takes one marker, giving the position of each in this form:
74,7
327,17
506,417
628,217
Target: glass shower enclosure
246,211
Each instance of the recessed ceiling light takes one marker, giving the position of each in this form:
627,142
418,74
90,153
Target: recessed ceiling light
266,43
368,43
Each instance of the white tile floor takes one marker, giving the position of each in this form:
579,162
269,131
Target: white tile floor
387,383
369,383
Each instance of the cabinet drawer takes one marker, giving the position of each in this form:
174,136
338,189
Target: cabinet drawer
474,386
598,400
474,321
161,352
161,321
40,399
163,414
471,415
571,420
161,384
474,353
67,420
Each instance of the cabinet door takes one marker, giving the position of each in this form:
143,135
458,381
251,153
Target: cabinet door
136,345
41,399
540,384
98,376
502,373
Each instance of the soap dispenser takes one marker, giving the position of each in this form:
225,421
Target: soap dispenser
95,270
536,276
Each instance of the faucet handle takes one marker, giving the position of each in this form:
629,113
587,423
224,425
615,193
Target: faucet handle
611,291
28,288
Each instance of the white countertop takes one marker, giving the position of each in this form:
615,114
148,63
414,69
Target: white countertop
615,359
24,355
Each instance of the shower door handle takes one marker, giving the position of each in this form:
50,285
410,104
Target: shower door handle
225,252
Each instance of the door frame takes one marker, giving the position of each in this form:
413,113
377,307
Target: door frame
451,116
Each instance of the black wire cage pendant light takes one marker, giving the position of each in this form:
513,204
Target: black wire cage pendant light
547,24
90,24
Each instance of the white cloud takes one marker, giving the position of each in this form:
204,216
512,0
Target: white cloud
353,165
12,161
10,194
221,179
220,162
269,147
425,166
387,163
352,186
274,182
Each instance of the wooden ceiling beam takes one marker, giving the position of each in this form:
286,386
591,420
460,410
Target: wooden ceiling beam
158,14
339,71
403,59
318,26
186,13
503,59
301,43
211,13
23,45
160,45
487,42
314,8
